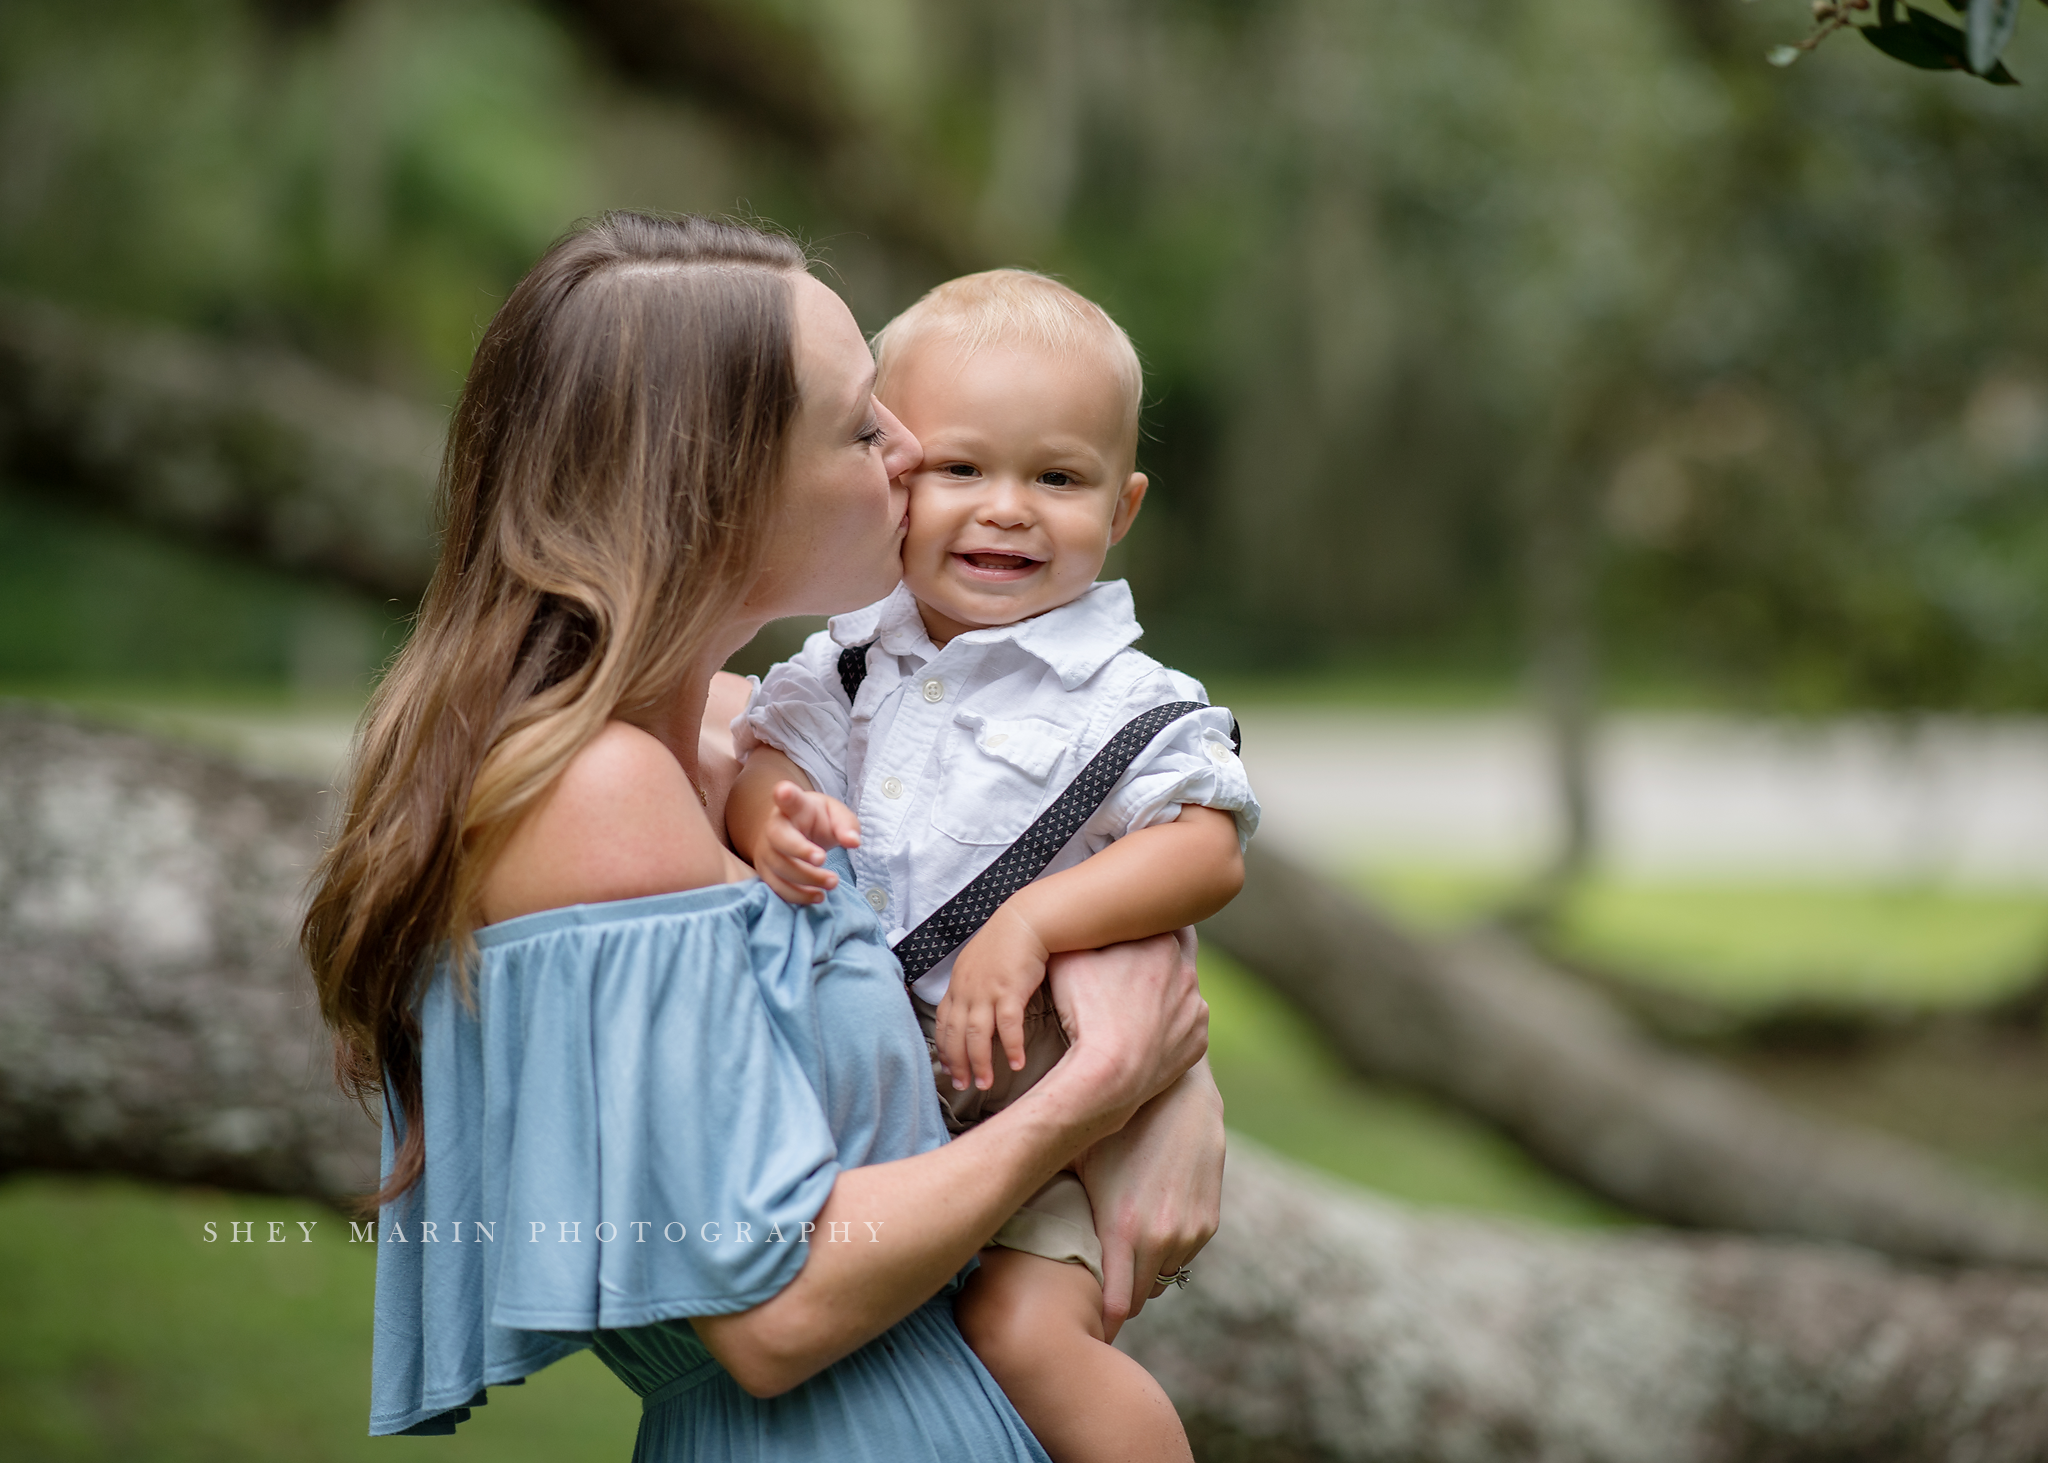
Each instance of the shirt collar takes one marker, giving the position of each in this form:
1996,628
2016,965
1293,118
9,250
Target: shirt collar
1075,640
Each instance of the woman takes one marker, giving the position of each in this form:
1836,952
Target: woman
647,1107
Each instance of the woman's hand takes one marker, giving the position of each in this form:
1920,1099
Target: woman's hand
1136,1020
1157,1188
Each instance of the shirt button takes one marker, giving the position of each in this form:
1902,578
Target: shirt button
1218,752
892,787
935,690
877,898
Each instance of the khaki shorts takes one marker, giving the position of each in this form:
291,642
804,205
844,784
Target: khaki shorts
1056,1222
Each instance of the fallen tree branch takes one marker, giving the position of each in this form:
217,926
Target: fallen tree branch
1483,1024
252,449
1323,1323
155,1019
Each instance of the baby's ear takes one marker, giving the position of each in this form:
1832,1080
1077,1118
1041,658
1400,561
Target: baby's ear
1128,502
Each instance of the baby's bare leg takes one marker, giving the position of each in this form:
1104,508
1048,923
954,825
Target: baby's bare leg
1036,1324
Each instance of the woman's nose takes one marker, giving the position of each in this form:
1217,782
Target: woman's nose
901,451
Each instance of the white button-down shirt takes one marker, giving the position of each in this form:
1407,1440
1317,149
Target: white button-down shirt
947,755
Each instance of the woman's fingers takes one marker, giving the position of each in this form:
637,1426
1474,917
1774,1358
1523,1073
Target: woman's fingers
1156,1186
1137,1011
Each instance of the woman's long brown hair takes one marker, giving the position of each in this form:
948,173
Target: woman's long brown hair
609,475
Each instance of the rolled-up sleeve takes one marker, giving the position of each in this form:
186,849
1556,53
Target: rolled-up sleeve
801,710
1192,761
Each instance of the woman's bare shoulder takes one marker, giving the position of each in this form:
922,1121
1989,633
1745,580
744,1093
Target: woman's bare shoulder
621,821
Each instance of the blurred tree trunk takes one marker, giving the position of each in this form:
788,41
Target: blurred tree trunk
1560,565
256,450
1481,1023
155,1021
1323,1323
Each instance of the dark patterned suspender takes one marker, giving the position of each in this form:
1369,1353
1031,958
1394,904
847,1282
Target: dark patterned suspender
954,923
853,668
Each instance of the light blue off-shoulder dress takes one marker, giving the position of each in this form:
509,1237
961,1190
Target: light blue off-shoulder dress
635,1118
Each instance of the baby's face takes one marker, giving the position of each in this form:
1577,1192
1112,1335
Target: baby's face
1025,482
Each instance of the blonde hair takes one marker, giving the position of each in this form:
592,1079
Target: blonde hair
1008,306
610,474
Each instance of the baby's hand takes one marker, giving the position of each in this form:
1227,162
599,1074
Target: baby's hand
790,853
994,976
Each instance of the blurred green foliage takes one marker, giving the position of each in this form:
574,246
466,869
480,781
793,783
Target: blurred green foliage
87,600
1400,270
363,194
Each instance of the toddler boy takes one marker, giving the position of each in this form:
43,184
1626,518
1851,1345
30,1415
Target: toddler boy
931,732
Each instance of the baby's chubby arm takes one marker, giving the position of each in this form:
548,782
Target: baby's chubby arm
781,826
1149,883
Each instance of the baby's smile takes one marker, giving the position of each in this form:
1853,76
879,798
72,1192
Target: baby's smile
990,564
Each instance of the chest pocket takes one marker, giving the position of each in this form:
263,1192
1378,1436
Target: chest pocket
994,776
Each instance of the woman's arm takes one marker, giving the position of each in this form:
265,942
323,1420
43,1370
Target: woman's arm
1136,1021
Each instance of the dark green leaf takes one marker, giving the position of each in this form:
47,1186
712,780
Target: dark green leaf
1915,47
1931,45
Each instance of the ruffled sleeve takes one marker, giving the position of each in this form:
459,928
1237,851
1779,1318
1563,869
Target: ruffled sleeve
801,710
1192,761
624,1125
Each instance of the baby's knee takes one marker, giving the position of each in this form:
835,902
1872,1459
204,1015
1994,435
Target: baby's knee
1020,1312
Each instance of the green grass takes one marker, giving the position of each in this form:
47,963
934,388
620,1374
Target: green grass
129,1336
1283,1086
1751,946
1754,946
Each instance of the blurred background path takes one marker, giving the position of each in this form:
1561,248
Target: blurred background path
1962,801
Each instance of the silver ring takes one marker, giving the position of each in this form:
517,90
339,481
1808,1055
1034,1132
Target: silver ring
1178,1279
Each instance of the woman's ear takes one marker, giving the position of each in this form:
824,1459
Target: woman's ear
1128,502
